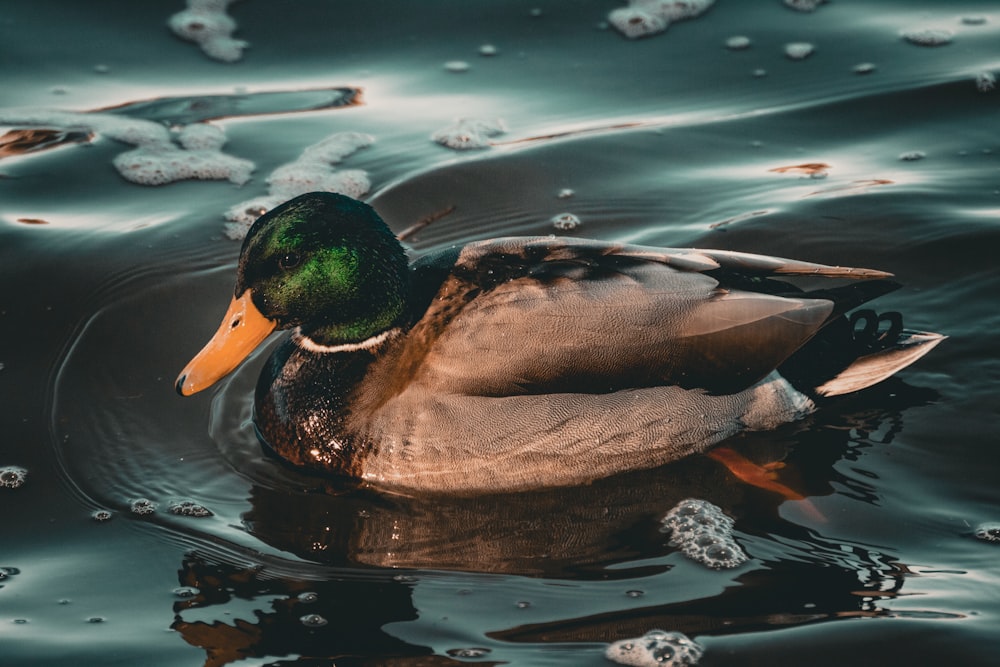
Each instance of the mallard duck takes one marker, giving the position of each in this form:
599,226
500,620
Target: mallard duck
517,363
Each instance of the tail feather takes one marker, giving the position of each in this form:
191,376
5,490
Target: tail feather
872,368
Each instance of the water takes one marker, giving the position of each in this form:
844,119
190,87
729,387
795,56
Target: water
674,139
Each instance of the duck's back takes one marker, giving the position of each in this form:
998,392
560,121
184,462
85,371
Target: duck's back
516,316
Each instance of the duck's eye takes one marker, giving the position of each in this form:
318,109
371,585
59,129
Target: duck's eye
289,261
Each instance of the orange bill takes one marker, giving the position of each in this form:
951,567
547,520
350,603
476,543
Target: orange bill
243,328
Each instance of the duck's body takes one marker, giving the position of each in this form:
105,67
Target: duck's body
526,362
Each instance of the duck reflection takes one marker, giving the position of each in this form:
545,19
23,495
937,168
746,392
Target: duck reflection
361,548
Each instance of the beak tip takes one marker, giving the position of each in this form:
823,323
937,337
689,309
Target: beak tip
179,385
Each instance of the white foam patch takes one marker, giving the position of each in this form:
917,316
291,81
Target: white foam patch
469,133
656,648
804,5
312,171
703,533
649,17
156,158
206,23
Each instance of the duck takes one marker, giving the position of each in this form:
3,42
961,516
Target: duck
520,363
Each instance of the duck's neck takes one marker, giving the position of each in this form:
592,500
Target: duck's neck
360,332
371,344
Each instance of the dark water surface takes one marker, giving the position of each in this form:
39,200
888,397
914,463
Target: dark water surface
111,286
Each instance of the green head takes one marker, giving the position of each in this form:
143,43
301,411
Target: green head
327,263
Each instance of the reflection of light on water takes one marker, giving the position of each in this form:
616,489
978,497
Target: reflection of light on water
91,222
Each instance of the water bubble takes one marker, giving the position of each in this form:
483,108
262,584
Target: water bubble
738,43
20,621
657,648
102,69
928,36
799,50
96,619
313,621
488,50
405,578
759,73
308,597
142,506
635,593
12,477
457,66
864,68
988,532
985,82
912,156
703,533
189,508
101,515
974,20
473,652
804,5
523,604
565,222
565,193
186,592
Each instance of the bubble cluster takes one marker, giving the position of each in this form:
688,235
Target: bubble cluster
142,506
565,222
928,36
703,533
469,133
308,597
656,648
206,23
799,50
912,156
101,516
186,592
156,158
649,17
988,532
312,171
12,477
189,508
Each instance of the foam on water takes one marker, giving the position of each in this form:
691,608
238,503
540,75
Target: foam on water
156,159
312,171
804,5
703,533
799,50
988,532
469,133
986,81
565,222
206,23
649,17
928,36
656,648
12,477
